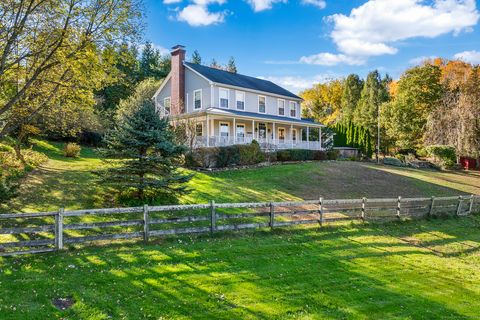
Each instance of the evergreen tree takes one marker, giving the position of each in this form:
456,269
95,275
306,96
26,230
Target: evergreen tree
374,94
214,64
152,64
231,67
146,158
351,95
196,58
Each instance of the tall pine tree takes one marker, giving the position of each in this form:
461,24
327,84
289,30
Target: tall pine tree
196,58
351,95
231,67
145,158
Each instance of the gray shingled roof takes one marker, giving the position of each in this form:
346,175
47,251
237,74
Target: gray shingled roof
262,116
240,80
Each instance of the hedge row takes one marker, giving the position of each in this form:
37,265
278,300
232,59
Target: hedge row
221,157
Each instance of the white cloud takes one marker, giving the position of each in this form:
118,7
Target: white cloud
297,84
331,59
260,5
317,3
472,57
198,15
171,1
163,51
420,60
373,28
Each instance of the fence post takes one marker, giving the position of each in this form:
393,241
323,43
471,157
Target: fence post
59,229
272,215
430,212
364,200
320,207
399,208
146,223
213,217
459,206
470,208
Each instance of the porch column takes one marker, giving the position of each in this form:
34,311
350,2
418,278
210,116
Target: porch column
308,137
273,133
234,130
291,134
320,137
207,132
253,129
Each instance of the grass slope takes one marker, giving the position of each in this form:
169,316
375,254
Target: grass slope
71,183
410,270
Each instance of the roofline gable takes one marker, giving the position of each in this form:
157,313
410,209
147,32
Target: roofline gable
164,83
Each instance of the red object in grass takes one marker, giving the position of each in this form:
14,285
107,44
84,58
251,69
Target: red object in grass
468,163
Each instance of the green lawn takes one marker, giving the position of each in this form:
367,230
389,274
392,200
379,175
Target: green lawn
405,270
71,183
423,269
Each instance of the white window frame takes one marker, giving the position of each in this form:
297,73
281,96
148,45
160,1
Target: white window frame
220,98
294,108
259,104
244,131
236,100
196,133
201,99
220,128
278,106
165,105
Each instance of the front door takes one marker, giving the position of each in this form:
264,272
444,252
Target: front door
294,136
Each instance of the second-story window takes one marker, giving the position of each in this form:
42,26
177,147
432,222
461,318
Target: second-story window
166,105
262,101
281,107
223,93
293,109
197,99
240,100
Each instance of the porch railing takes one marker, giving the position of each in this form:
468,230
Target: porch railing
267,144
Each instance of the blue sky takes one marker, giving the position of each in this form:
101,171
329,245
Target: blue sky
299,42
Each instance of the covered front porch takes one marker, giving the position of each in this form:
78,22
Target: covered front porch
271,132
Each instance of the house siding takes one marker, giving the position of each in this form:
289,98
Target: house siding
195,82
164,93
251,101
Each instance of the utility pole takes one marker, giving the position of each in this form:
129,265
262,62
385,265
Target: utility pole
378,133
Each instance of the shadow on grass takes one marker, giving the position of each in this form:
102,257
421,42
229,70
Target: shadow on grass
338,272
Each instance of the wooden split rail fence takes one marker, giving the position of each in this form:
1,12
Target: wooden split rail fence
25,233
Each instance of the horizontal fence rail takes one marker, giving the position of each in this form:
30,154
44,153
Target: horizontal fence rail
26,233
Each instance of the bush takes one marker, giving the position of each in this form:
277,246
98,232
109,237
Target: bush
319,155
445,156
295,155
333,154
201,158
71,150
393,162
250,154
228,156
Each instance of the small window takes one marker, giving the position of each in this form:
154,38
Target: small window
166,105
197,99
240,100
199,130
294,135
223,93
281,107
262,104
293,109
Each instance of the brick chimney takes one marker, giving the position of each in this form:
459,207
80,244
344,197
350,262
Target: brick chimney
178,80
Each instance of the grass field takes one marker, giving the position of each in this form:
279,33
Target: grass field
72,184
406,270
422,269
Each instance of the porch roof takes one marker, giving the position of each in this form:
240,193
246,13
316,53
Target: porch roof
259,116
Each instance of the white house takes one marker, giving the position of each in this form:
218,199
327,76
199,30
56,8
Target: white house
228,108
